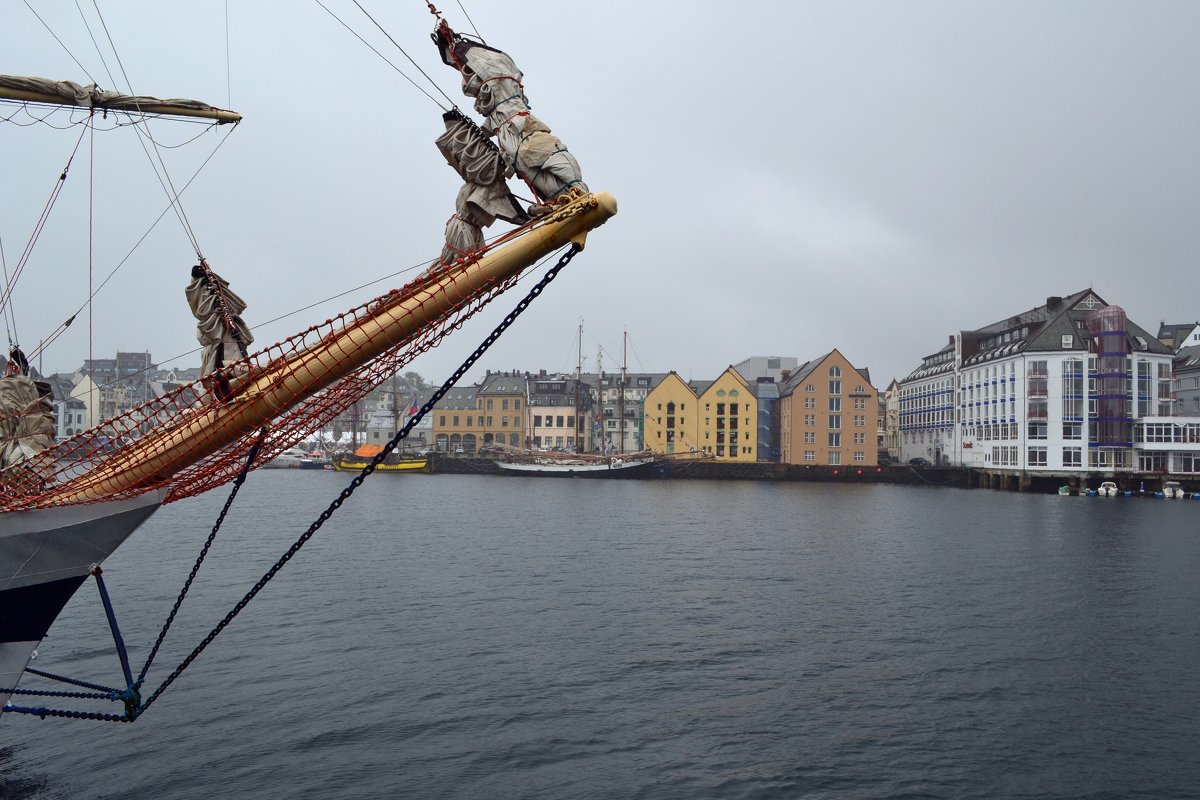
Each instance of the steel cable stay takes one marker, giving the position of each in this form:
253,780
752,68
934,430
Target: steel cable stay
131,695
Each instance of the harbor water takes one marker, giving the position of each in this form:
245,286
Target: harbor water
502,637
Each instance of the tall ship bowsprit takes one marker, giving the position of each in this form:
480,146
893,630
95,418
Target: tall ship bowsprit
66,505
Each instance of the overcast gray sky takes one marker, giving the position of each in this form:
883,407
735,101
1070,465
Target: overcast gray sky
792,176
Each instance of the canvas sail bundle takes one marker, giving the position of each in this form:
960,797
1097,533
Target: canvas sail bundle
213,303
26,419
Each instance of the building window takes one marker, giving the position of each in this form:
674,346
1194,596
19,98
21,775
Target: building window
1072,457
835,440
859,455
835,458
810,455
835,371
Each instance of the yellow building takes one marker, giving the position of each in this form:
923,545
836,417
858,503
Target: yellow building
828,414
500,403
457,422
717,418
729,409
670,419
470,418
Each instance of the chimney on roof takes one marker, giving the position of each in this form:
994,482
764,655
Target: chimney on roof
784,374
1053,303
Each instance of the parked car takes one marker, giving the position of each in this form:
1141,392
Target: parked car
884,460
920,462
458,451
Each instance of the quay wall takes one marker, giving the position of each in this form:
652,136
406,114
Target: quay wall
959,477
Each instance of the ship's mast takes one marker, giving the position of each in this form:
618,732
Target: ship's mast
624,383
578,372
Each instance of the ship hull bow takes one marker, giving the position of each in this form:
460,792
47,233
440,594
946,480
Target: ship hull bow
45,554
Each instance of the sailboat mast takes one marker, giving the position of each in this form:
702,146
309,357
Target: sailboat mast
624,383
578,372
596,415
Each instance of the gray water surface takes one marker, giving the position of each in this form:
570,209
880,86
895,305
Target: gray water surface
462,637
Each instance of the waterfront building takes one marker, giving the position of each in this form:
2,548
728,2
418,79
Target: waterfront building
670,416
620,418
828,412
766,392
728,418
1186,381
559,411
1178,336
70,413
1070,386
891,424
500,401
458,422
116,385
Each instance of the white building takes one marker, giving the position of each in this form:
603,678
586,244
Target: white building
1071,386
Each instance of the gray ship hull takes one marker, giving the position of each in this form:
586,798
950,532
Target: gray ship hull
45,555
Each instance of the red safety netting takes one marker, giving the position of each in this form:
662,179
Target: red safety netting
198,436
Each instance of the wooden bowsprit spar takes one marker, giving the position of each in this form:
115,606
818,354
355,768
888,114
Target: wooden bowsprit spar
260,396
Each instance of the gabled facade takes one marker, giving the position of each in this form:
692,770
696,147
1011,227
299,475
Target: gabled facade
891,423
671,419
1178,336
728,418
500,402
70,413
829,414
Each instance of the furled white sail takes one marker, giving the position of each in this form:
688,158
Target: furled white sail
69,93
26,418
524,146
212,302
484,196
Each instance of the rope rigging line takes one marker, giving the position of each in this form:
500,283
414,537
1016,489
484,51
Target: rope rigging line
93,292
405,54
386,60
470,21
165,176
11,282
134,707
66,49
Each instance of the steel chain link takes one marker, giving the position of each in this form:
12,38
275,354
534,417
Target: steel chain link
362,476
